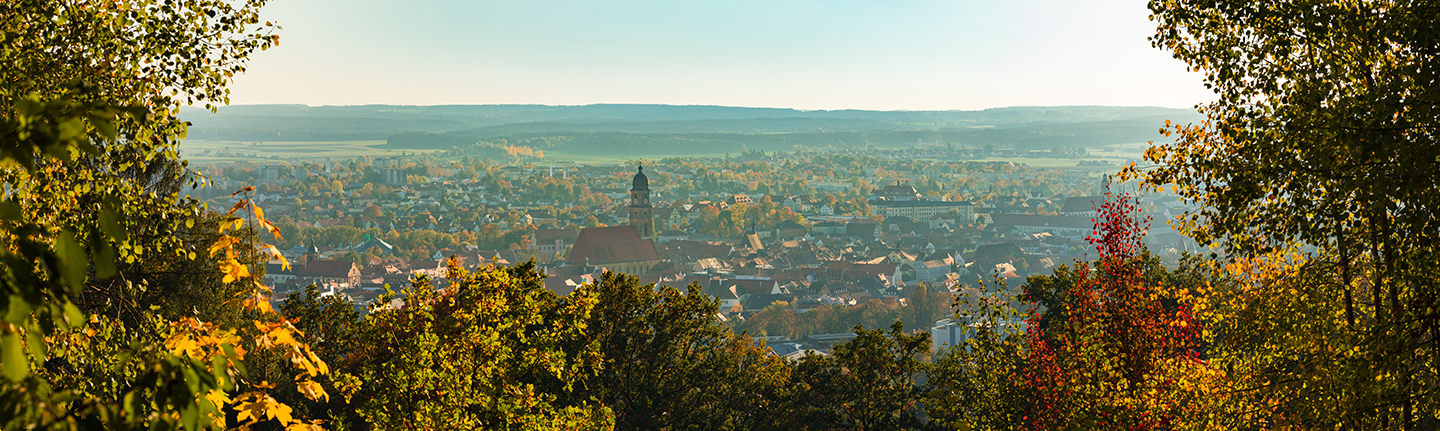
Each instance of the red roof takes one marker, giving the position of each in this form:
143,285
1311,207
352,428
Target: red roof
854,271
325,268
606,245
546,236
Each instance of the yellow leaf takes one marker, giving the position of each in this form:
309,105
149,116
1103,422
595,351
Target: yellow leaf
251,411
303,426
265,385
280,412
319,364
260,218
218,398
259,303
237,207
182,345
284,263
312,390
283,336
233,270
224,242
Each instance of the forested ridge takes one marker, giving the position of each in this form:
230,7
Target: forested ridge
571,139
693,128
129,305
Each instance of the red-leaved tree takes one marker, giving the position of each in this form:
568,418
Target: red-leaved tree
1109,348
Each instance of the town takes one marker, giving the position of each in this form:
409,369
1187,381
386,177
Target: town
804,230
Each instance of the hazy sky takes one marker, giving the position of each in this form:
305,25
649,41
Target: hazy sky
820,54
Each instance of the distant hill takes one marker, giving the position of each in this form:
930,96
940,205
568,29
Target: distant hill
746,126
299,128
673,128
1036,137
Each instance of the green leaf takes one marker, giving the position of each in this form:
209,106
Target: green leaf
104,259
36,344
190,416
74,266
104,127
73,316
12,354
239,365
122,360
110,223
28,106
19,310
9,211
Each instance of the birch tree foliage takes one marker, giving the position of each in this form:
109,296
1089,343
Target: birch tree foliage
1323,138
93,215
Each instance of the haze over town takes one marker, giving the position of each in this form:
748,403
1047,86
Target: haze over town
799,211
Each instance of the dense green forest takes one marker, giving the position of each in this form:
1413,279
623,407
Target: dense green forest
130,305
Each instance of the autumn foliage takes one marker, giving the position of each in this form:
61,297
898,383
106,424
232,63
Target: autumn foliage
1113,360
517,151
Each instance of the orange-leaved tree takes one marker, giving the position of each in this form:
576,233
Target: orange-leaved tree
271,331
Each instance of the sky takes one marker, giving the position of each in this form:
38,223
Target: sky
802,54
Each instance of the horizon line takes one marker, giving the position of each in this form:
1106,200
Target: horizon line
692,105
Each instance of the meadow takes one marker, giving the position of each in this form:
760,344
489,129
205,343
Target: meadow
219,151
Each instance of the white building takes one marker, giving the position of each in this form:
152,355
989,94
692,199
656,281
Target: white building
949,333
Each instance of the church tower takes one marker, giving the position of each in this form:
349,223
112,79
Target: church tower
640,206
312,254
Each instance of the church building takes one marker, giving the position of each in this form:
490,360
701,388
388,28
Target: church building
628,249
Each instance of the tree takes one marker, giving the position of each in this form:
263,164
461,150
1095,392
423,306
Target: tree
1111,345
351,256
667,362
868,383
332,327
488,353
980,383
926,303
88,134
1322,138
976,386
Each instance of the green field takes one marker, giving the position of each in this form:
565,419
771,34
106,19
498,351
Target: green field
1119,155
1128,151
203,151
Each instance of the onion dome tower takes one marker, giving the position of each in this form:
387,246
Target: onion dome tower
640,208
312,254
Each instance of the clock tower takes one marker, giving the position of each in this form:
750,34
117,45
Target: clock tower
640,206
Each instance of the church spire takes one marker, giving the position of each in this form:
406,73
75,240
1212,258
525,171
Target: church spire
640,207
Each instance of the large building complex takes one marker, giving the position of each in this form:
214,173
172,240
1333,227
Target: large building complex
924,210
